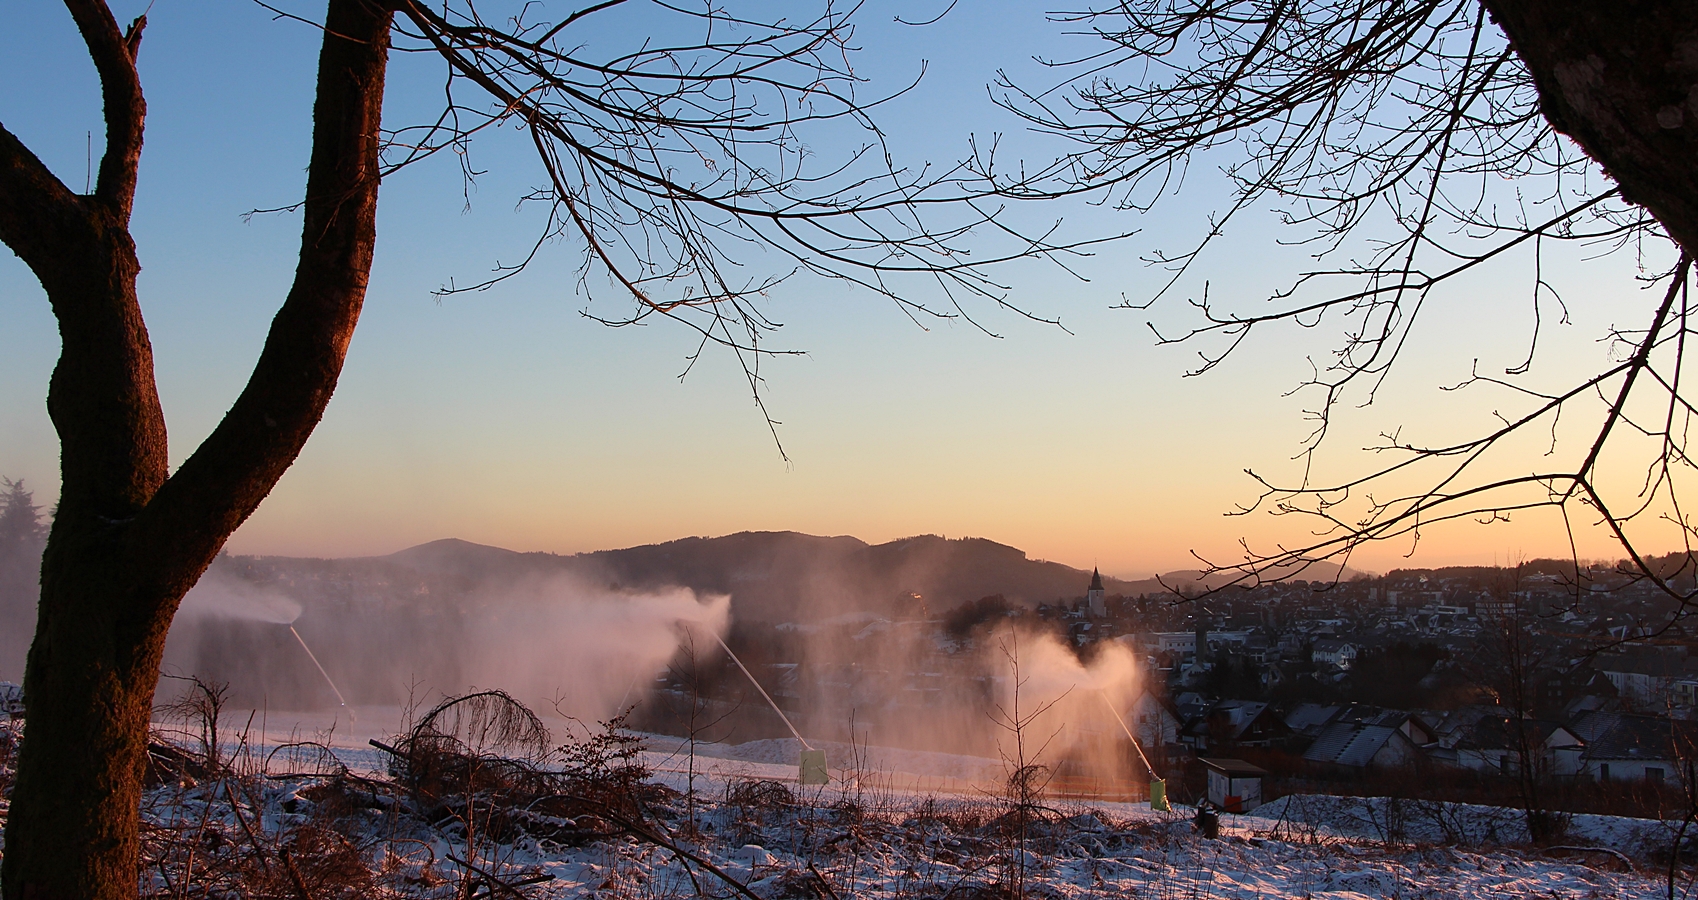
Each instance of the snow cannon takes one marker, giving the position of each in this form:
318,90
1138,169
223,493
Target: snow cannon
1158,796
810,769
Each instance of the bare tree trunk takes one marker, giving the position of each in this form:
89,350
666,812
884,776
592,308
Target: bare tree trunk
1621,79
128,541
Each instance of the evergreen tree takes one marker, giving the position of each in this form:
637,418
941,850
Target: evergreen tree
23,535
20,519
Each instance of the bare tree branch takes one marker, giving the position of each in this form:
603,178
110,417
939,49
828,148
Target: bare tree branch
1407,143
114,56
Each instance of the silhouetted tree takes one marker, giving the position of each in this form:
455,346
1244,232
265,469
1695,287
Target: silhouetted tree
1392,675
20,517
1233,676
1508,661
22,536
961,622
657,158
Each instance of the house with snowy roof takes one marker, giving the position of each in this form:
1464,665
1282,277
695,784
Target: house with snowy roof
1307,719
1332,652
1495,744
1234,723
1310,719
1623,747
1358,745
1411,725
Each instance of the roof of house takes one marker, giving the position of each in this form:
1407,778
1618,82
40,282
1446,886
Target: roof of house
1190,705
1593,724
1350,743
1236,768
1637,737
1395,718
1331,645
1310,718
1460,720
1499,733
1237,715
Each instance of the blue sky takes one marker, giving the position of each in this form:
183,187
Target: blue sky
506,417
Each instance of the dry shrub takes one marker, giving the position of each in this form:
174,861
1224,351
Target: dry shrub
473,759
477,770
320,863
605,767
849,811
480,762
344,802
753,805
184,746
951,816
193,719
304,759
1036,890
170,764
752,795
795,884
463,742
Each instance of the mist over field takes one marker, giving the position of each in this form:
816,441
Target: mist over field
880,644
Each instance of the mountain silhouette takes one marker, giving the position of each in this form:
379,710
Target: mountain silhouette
786,576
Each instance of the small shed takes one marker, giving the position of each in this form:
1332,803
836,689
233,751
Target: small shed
1234,785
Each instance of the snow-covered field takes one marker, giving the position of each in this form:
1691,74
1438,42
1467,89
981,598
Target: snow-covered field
908,824
1383,820
1090,859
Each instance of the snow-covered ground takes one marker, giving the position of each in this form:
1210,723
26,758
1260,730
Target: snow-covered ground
1101,861
912,825
1382,820
901,852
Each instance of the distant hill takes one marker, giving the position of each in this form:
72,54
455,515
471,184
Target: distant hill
785,576
457,557
779,576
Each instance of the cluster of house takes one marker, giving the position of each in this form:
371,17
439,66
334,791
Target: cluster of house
1342,739
1646,678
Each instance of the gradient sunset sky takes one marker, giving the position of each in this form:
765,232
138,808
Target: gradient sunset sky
508,418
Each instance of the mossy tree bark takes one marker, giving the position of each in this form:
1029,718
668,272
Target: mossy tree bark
1621,80
130,538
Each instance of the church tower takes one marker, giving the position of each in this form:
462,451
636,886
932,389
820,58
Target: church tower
1094,597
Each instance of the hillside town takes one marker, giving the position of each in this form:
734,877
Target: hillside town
1530,676
1548,685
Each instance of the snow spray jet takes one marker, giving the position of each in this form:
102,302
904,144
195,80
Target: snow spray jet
1056,686
222,595
314,658
582,649
1158,786
556,641
229,597
764,694
1122,722
810,766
